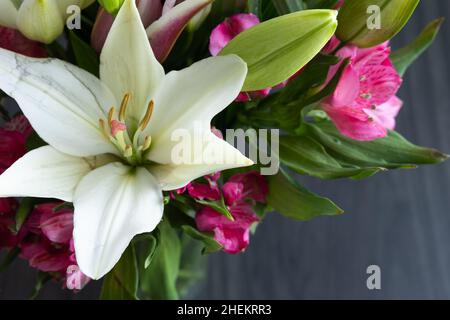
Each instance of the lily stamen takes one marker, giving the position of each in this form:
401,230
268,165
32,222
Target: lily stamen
147,116
111,115
123,107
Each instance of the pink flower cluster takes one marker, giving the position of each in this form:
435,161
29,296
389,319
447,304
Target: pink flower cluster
47,243
240,193
364,104
45,238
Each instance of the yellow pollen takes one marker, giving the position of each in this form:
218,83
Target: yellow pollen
147,116
123,107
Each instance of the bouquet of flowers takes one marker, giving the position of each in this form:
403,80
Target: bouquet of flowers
139,136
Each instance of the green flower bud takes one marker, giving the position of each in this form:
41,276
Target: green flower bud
276,49
367,23
112,6
40,20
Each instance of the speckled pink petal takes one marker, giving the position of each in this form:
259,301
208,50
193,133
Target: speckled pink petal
355,123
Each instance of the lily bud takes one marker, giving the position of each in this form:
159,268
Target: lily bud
367,23
40,20
112,6
8,14
276,49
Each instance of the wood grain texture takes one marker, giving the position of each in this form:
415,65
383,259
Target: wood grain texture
398,220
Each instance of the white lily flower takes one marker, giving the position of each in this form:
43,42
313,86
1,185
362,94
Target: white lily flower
113,163
40,20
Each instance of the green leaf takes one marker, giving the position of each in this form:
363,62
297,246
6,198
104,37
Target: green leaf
391,152
353,20
193,267
295,202
404,57
218,206
26,205
276,49
121,282
112,6
264,9
85,55
320,4
42,279
283,109
9,258
211,245
288,6
158,281
306,156
145,245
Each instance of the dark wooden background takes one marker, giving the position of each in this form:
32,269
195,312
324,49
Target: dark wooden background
398,220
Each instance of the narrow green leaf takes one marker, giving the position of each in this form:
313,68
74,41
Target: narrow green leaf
26,205
306,156
218,206
276,49
85,55
357,23
295,202
152,243
211,245
42,279
121,282
391,152
9,258
288,6
404,57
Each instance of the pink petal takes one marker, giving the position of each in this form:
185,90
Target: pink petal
75,279
203,191
347,89
150,10
164,32
355,123
385,114
254,185
56,226
232,192
378,84
101,28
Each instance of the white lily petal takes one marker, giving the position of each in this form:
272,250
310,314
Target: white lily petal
127,201
127,62
62,102
191,98
213,155
44,173
8,14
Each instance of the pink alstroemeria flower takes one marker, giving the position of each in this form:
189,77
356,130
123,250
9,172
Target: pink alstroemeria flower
47,243
57,225
13,137
224,33
364,104
13,40
240,193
